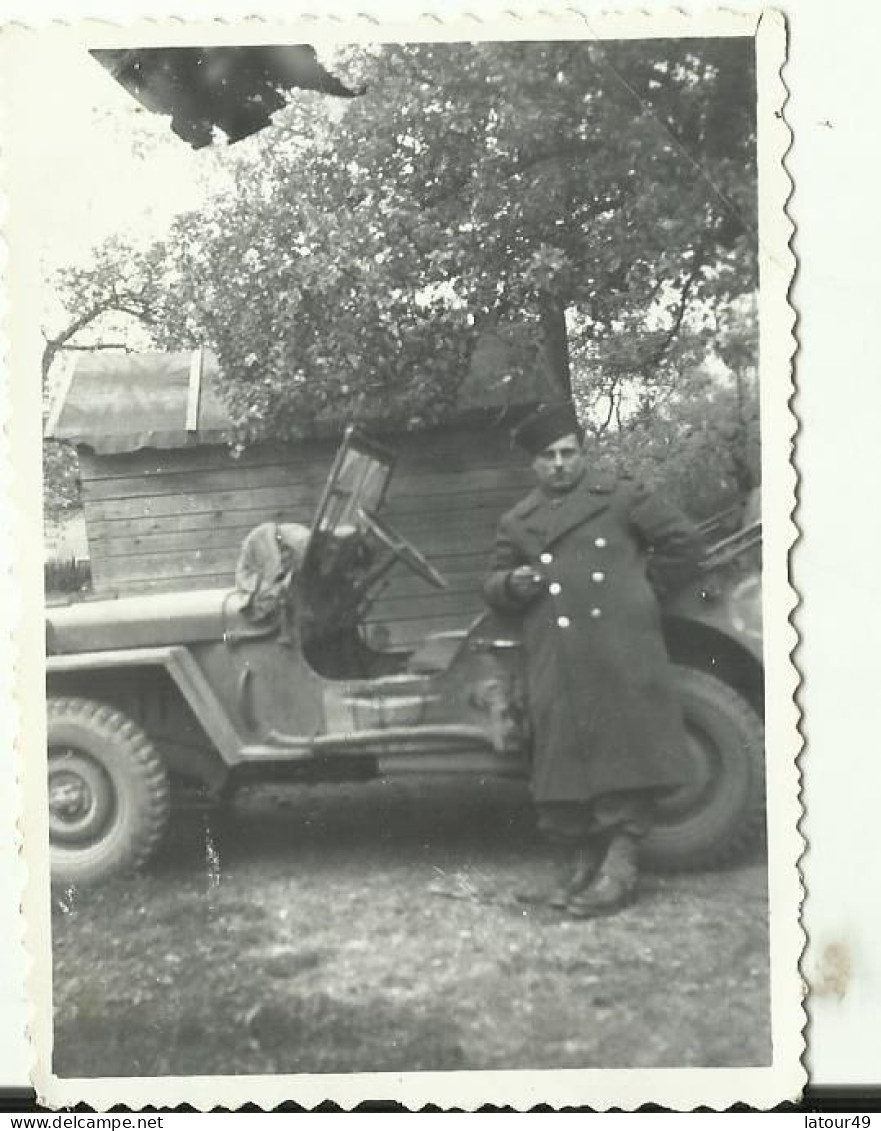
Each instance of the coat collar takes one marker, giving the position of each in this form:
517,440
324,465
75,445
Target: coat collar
541,522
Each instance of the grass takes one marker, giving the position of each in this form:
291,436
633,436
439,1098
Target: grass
373,928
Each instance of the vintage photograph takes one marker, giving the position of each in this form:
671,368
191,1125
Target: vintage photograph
404,421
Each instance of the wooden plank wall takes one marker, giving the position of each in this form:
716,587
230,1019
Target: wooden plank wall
175,519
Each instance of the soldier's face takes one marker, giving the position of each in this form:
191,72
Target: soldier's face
561,465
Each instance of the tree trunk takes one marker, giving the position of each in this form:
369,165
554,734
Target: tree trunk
555,344
743,472
50,349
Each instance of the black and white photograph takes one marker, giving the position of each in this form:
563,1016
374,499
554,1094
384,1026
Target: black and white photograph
414,613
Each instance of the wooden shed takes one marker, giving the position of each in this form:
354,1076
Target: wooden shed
167,502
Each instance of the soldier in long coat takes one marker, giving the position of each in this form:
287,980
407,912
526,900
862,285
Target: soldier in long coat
582,560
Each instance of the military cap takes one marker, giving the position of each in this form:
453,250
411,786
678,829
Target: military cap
548,423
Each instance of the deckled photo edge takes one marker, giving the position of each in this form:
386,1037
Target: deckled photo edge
12,879
676,1088
778,349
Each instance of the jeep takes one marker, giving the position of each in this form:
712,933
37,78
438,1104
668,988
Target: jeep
147,694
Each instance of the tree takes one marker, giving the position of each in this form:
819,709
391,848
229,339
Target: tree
691,426
601,195
99,301
61,483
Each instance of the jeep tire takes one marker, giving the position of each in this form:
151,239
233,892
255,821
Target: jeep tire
720,816
108,792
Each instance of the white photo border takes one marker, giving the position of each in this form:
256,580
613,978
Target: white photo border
675,1088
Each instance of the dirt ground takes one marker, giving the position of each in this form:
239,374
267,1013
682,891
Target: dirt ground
373,928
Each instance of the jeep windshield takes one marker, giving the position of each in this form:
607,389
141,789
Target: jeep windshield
354,492
350,549
357,482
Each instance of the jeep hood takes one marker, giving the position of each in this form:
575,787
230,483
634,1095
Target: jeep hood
142,621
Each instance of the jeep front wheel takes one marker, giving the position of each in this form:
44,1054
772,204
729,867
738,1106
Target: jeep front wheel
718,816
108,792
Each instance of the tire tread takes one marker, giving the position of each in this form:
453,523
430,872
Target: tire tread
743,837
143,759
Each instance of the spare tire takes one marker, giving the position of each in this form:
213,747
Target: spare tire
108,792
719,816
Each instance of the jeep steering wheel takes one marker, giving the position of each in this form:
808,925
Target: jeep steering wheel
402,549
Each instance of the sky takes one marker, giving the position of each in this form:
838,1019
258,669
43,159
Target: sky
104,164
91,180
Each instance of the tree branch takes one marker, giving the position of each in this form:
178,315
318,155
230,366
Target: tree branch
96,346
105,306
611,393
661,348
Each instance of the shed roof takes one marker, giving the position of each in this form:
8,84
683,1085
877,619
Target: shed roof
122,402
115,403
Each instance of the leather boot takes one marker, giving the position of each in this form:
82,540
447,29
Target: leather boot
580,868
614,886
584,866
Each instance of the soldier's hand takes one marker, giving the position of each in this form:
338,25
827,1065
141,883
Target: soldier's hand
525,582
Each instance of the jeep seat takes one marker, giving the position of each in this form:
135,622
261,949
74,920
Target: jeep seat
436,652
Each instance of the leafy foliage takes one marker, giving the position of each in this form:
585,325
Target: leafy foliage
691,424
108,303
601,196
61,483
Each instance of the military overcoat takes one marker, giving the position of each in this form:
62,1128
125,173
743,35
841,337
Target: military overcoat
603,702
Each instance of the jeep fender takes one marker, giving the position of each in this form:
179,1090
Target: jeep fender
184,672
706,645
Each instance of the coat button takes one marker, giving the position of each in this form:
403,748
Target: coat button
555,587
598,576
596,613
546,558
601,542
563,622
